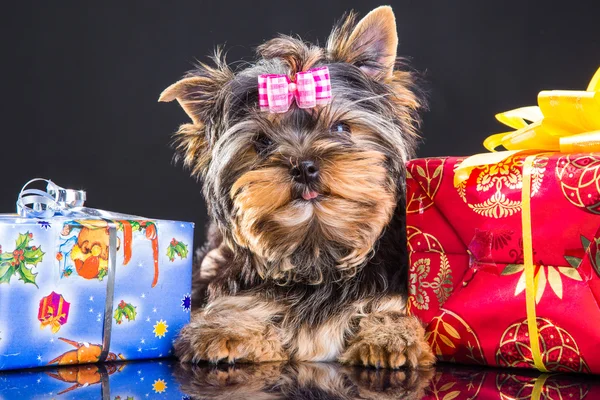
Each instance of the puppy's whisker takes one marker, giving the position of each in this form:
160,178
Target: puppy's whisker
371,98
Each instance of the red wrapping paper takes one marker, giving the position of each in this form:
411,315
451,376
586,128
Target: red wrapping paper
486,383
467,281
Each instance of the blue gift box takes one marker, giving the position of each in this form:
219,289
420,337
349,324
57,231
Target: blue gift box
114,381
90,285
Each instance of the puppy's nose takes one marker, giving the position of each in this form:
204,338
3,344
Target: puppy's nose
305,172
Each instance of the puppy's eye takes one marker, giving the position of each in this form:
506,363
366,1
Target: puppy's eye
262,143
340,127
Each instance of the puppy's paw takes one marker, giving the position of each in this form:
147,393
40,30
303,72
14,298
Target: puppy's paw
202,341
389,341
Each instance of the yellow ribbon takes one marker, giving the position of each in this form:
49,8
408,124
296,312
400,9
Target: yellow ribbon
530,281
566,121
538,386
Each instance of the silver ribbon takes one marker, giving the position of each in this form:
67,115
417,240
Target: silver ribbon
110,290
105,382
58,201
34,203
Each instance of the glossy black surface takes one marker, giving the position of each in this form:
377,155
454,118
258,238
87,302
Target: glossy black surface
334,381
167,379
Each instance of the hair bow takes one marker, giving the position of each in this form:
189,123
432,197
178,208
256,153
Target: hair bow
277,92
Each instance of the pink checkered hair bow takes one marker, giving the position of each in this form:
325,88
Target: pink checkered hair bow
277,92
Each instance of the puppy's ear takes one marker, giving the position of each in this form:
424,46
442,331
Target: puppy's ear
201,95
200,91
370,44
191,94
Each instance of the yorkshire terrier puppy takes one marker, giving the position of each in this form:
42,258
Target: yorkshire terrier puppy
302,161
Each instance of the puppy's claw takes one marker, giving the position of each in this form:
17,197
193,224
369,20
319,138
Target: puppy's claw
197,343
391,345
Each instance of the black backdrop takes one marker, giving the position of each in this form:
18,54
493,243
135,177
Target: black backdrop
80,81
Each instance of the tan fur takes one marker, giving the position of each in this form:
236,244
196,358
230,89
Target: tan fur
324,343
183,91
257,194
210,263
388,338
377,28
357,187
193,147
243,328
349,40
197,94
232,328
294,52
405,98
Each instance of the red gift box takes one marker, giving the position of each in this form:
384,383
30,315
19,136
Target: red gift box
504,247
467,275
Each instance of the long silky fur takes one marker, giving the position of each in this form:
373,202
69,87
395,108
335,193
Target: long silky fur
316,260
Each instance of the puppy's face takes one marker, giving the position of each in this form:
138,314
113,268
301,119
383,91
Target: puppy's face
309,191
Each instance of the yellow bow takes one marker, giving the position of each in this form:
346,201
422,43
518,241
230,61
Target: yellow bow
564,120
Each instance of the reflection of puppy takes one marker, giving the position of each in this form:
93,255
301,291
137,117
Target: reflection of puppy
386,384
308,261
300,381
243,382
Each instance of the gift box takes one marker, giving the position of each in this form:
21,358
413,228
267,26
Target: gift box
80,285
114,381
504,247
468,383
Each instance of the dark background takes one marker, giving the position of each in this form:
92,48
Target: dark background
80,81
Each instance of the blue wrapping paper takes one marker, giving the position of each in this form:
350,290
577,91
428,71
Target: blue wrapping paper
114,381
63,302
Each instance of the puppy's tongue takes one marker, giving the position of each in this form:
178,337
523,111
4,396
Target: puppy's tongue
309,195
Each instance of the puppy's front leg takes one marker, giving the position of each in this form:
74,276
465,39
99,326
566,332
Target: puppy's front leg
388,338
232,328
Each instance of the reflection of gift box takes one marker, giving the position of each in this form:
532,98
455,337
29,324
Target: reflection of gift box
467,383
115,381
504,247
91,286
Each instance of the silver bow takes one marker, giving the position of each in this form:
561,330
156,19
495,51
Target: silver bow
34,203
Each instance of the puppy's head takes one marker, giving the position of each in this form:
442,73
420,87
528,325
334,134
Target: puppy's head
305,193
